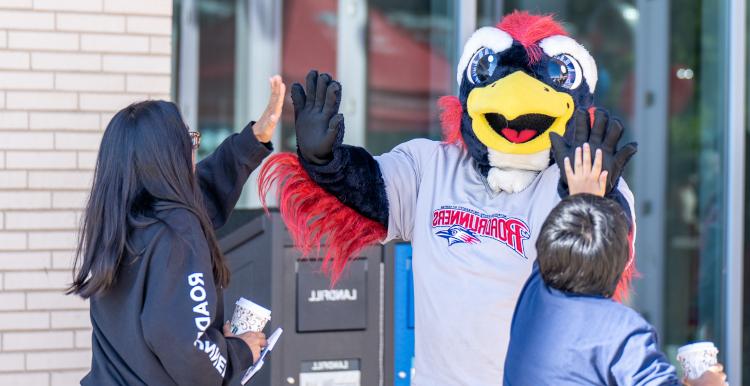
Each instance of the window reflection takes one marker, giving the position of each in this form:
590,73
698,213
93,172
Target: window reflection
410,53
309,42
217,20
695,186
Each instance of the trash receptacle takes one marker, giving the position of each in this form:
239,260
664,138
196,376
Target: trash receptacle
332,335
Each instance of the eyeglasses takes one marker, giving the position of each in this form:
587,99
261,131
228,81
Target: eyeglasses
195,139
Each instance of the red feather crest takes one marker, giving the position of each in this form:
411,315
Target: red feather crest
529,29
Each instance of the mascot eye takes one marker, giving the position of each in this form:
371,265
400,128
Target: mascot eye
482,66
565,71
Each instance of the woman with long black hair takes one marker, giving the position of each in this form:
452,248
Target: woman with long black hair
148,259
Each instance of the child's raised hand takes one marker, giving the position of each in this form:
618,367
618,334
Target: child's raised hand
266,124
585,177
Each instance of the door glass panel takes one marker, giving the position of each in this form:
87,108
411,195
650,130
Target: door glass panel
216,72
309,42
694,246
410,56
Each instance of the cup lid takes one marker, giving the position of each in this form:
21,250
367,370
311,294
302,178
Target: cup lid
242,302
697,346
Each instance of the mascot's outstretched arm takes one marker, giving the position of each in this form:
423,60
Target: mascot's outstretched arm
348,172
328,190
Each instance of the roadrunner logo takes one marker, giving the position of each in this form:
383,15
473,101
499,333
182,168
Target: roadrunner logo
458,234
460,225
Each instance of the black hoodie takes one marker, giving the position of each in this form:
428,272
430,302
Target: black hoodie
161,323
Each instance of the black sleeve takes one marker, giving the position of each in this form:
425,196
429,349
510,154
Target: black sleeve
222,174
353,176
180,309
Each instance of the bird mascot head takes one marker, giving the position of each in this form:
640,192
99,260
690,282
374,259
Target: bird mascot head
518,82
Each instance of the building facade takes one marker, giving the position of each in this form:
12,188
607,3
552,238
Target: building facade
674,71
65,68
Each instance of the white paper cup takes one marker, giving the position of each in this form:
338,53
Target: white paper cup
249,316
697,358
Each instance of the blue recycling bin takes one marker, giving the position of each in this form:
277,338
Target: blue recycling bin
403,316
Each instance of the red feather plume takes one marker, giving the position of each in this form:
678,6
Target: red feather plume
622,292
450,119
529,29
312,214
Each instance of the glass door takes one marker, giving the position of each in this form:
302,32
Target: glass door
205,68
696,183
309,41
410,65
661,68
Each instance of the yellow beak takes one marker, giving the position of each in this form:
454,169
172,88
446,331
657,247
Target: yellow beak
515,114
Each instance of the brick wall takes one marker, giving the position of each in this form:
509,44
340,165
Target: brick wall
65,67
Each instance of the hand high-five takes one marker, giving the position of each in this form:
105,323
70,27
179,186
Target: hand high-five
316,117
266,124
586,178
603,136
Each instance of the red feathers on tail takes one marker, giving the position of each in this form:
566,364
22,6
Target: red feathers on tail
312,214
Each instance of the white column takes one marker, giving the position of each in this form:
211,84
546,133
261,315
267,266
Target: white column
650,165
189,56
258,58
466,14
735,194
351,68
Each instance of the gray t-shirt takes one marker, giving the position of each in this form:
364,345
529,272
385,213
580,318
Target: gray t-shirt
473,250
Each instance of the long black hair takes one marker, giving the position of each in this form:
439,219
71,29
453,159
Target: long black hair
144,165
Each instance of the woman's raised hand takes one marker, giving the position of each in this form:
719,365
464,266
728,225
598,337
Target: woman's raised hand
266,124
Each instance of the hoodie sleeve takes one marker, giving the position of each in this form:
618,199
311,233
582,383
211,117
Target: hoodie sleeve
179,312
223,174
640,363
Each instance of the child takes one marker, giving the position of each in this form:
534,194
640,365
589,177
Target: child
566,330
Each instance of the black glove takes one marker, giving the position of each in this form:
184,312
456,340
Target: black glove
604,135
318,125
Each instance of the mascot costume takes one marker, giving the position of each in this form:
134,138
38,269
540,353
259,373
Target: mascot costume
471,205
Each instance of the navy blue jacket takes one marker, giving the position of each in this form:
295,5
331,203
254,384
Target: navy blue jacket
565,339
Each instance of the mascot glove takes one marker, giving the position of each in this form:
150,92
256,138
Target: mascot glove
319,126
604,134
